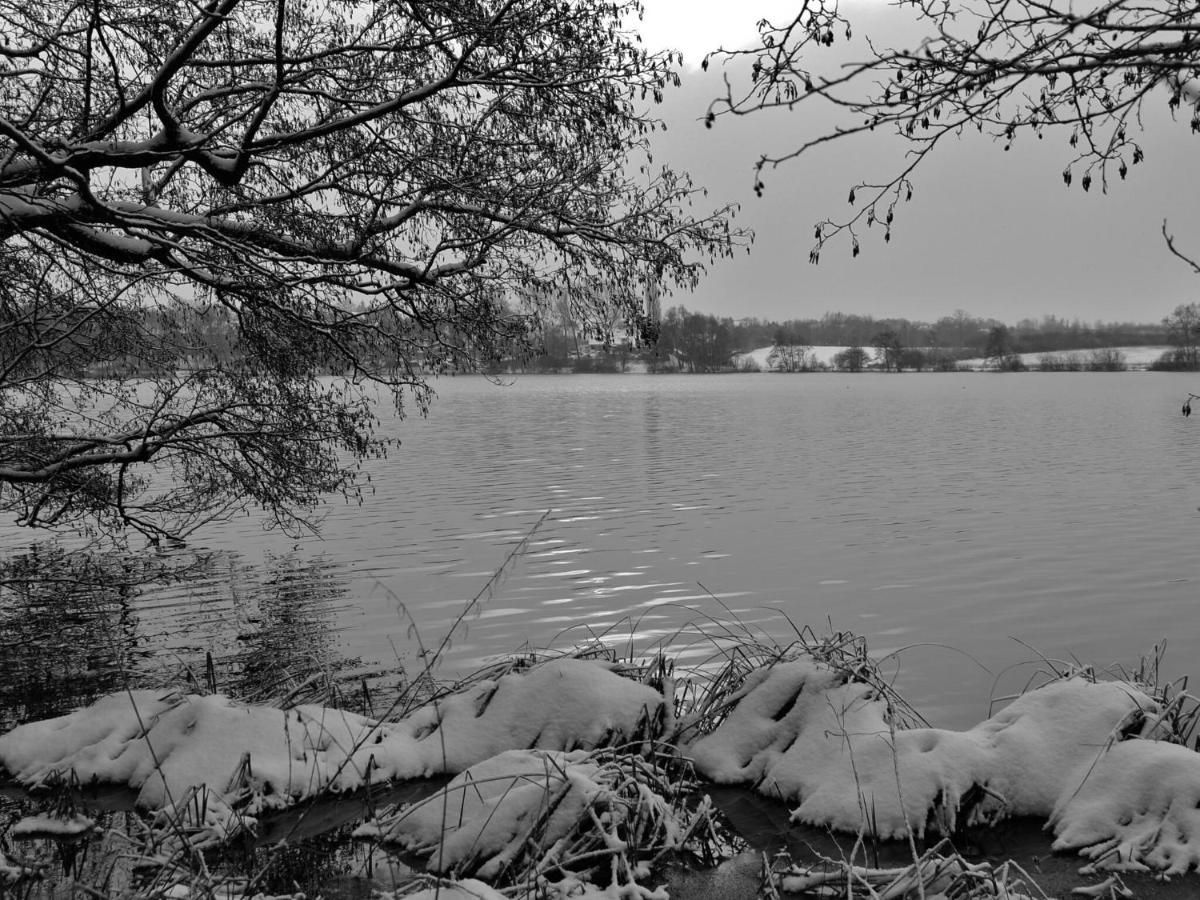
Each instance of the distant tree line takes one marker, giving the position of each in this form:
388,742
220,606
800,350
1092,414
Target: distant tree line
695,342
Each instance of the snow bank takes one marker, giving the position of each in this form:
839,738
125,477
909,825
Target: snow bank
481,820
163,744
560,705
524,814
802,731
1138,809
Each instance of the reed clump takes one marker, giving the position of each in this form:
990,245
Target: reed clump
940,871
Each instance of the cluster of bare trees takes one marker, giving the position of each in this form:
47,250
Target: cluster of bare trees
1183,329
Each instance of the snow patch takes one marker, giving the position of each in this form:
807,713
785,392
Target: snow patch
11,872
161,744
808,734
514,818
1138,809
46,825
164,745
821,354
481,820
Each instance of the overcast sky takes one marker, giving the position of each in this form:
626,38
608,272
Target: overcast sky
994,233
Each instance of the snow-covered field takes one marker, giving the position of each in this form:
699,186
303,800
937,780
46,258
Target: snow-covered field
1135,357
821,353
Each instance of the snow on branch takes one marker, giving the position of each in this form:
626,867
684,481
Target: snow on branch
248,195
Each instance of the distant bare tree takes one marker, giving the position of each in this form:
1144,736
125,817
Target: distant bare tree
790,358
888,349
1183,330
1107,359
998,352
852,359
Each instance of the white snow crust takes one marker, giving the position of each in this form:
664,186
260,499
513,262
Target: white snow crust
164,744
529,811
161,744
485,815
46,825
802,732
11,872
1138,809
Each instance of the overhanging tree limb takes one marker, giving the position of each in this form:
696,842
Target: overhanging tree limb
1002,67
205,207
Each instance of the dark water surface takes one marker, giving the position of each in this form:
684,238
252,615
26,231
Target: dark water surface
946,517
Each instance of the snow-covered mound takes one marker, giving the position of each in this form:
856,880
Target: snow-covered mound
525,815
1078,752
1138,809
485,815
164,744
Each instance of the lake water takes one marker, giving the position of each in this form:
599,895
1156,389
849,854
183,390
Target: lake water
964,522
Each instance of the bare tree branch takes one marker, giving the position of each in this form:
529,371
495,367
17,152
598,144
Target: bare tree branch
208,210
1002,67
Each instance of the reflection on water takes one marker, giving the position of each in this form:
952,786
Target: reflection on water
937,514
80,624
68,631
288,645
